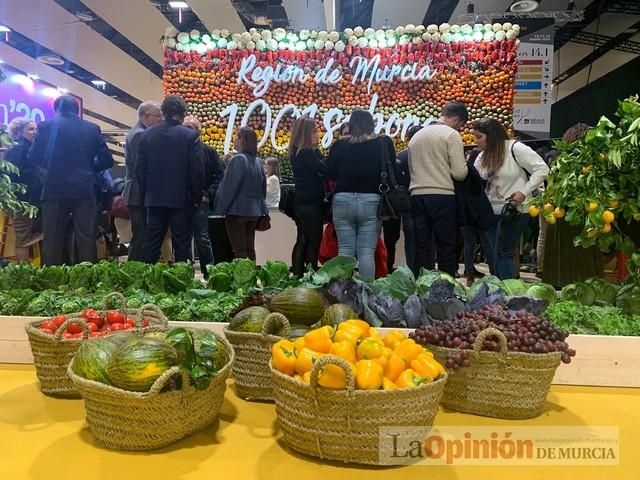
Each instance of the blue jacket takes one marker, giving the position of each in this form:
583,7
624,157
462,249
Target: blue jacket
77,153
170,169
243,190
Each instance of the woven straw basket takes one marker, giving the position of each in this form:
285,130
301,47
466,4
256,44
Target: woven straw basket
510,385
344,425
251,372
123,420
52,353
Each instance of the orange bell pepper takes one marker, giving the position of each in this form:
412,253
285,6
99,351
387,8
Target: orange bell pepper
369,375
382,361
298,344
306,377
305,359
411,379
333,376
395,367
408,349
297,376
319,340
283,358
425,365
393,338
369,349
375,334
345,350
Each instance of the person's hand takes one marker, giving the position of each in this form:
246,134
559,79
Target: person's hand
518,197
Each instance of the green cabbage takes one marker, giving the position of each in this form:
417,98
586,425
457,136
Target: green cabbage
606,292
629,299
543,291
513,287
579,292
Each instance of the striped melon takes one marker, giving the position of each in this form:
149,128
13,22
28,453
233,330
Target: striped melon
300,305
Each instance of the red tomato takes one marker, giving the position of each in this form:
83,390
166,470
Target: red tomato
118,326
48,325
113,316
96,334
92,327
74,328
127,326
130,323
90,313
66,334
59,320
76,335
47,330
145,322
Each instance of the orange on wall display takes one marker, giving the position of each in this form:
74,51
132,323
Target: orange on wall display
403,76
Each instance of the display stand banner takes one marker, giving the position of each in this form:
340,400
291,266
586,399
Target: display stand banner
265,79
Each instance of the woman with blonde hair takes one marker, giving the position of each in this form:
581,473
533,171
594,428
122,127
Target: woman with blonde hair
308,172
272,171
23,132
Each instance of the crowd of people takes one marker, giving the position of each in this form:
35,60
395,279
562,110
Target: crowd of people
177,187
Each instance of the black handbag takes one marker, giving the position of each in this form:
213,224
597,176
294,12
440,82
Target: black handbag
395,199
288,200
264,223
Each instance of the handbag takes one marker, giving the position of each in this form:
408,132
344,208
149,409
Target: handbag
288,200
395,200
264,223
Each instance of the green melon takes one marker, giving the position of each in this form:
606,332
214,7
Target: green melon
137,365
93,357
336,314
300,305
298,331
249,320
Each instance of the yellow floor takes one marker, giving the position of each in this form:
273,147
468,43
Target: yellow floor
45,438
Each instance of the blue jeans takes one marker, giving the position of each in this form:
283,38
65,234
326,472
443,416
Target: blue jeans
201,238
471,235
502,248
355,217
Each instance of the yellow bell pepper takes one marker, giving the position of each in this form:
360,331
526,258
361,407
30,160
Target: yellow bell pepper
375,334
382,361
369,375
393,338
332,376
283,358
306,377
348,333
388,384
305,359
369,349
361,324
298,344
395,367
410,379
425,366
408,349
297,376
387,352
319,340
345,350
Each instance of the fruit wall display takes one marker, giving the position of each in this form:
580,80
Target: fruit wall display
405,76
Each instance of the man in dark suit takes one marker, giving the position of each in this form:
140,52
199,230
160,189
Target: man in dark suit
149,115
70,152
171,178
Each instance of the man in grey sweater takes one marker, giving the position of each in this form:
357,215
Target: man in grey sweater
436,159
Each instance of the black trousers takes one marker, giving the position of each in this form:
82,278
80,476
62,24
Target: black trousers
84,219
158,220
222,251
309,221
434,216
391,233
138,225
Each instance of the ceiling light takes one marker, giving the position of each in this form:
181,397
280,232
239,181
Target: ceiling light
50,60
178,4
4,29
524,6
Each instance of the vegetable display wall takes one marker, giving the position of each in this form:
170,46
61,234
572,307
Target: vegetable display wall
404,77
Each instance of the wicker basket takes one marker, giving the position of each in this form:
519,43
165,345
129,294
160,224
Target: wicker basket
123,420
251,372
52,353
344,425
510,385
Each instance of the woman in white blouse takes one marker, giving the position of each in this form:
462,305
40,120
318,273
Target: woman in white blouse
513,172
272,171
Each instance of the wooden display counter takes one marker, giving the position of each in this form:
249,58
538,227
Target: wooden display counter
600,360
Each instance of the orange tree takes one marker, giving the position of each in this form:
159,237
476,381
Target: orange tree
594,181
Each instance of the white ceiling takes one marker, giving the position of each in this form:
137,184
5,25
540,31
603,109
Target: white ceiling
50,25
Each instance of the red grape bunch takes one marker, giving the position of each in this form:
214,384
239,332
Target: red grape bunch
524,333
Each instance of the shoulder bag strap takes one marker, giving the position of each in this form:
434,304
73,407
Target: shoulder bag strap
387,175
515,159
